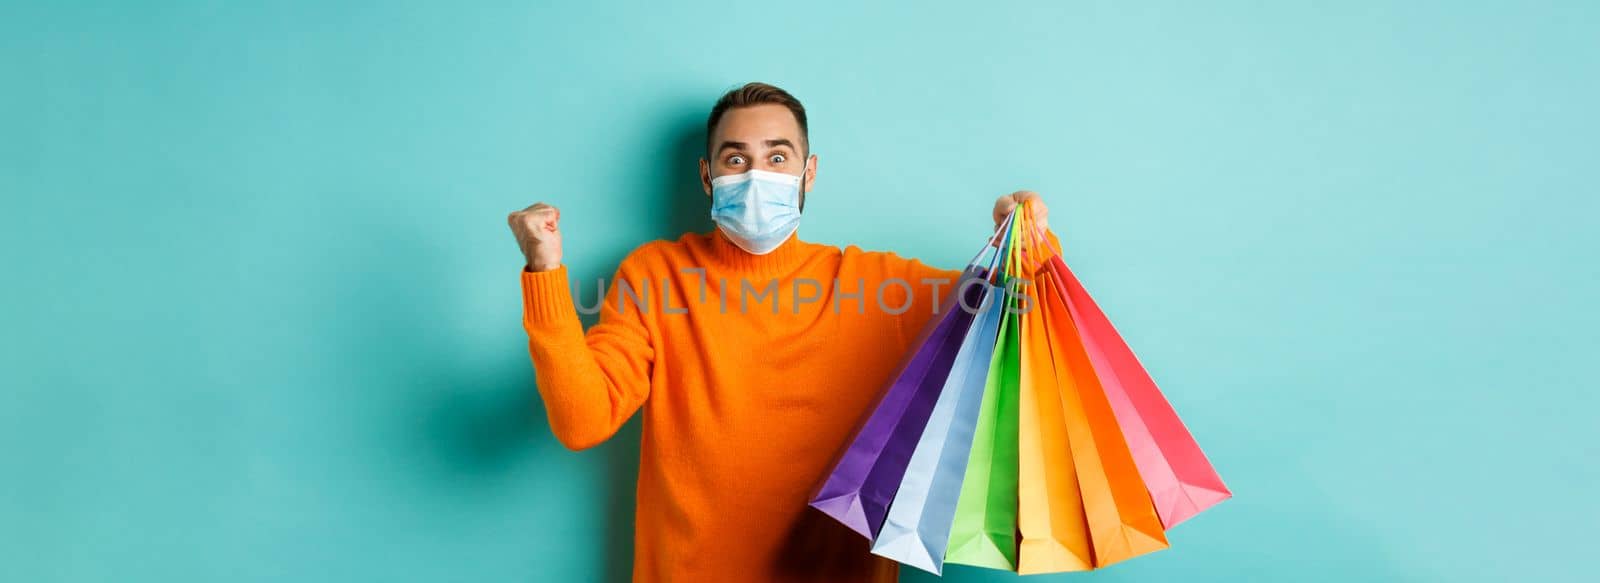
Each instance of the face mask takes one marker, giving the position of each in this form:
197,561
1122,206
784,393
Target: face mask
757,210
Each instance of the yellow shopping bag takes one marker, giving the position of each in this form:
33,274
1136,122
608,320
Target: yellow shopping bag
1050,514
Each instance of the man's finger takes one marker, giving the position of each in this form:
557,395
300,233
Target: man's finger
1002,207
544,222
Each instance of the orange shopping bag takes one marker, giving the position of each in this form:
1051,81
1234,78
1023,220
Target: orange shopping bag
1121,517
1050,513
1177,474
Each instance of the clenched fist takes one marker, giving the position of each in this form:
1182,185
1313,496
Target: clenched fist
1004,205
538,233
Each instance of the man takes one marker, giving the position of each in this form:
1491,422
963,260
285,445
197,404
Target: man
754,355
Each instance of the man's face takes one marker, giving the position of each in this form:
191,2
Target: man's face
760,137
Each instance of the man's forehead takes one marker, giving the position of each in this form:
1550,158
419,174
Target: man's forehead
759,122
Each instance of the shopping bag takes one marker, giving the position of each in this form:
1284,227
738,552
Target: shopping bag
863,482
1024,436
1179,479
1121,519
983,532
917,529
1050,514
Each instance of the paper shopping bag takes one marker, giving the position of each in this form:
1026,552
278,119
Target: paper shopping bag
1121,519
1050,516
1180,480
858,491
983,532
917,529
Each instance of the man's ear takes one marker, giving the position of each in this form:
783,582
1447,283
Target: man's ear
811,173
705,176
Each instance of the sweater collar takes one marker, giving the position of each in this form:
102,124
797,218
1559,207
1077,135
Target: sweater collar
780,261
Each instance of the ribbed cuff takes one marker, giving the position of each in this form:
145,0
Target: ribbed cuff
546,297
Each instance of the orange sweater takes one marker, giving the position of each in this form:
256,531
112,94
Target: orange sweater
747,397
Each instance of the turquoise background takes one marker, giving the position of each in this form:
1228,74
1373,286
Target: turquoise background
260,305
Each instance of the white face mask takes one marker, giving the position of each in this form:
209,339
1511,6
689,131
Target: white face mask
757,210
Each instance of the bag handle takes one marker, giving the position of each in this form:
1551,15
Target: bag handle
997,241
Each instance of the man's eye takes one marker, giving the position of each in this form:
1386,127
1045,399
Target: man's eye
778,158
736,160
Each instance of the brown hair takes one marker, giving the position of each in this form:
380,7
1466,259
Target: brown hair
757,93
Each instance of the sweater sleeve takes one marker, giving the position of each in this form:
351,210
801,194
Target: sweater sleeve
931,289
591,382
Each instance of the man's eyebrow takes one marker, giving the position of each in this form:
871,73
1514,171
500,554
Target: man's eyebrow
735,145
780,142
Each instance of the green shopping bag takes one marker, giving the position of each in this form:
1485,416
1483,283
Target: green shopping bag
984,533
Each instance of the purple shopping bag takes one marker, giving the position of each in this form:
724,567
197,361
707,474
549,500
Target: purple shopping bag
863,483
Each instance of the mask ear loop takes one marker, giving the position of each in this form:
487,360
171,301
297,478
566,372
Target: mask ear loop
805,164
